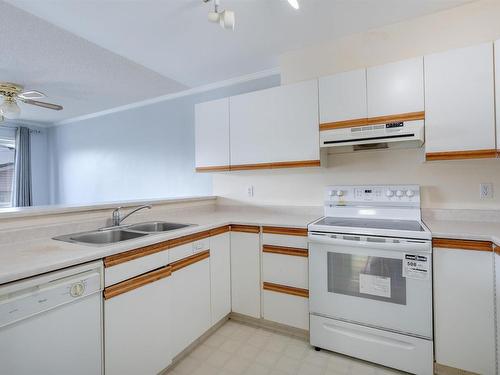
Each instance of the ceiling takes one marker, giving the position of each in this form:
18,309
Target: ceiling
97,54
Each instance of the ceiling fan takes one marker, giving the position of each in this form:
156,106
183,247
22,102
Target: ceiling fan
11,93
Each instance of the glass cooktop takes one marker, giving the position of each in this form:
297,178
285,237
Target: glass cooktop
407,225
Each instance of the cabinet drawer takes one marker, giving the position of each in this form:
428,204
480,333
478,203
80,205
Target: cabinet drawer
186,250
284,240
286,309
201,245
131,268
285,269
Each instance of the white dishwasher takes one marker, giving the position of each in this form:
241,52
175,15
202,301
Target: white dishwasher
52,324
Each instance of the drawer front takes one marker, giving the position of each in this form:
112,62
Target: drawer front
285,269
284,240
132,268
286,309
201,245
180,252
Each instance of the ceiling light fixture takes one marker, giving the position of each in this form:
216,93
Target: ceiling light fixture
9,108
294,3
225,18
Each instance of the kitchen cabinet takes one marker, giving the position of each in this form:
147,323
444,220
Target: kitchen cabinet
190,316
395,89
497,93
137,324
342,97
212,135
464,320
497,297
275,128
245,270
220,276
459,104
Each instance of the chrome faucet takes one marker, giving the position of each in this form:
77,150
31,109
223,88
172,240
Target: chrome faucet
117,214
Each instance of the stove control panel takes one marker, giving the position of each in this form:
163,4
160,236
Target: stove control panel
399,195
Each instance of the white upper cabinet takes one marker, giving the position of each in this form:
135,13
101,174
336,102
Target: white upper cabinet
459,100
342,97
279,124
212,133
497,86
395,88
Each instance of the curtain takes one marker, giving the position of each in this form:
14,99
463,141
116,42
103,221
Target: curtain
22,195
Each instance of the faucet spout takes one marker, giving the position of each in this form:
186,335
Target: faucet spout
117,214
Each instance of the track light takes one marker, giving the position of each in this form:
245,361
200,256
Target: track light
294,3
225,18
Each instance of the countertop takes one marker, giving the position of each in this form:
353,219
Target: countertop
465,230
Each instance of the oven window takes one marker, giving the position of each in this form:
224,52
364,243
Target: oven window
374,278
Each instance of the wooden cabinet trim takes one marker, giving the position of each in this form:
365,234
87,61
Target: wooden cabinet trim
176,266
286,289
285,250
458,155
245,167
285,231
220,230
189,238
450,243
277,165
245,228
496,249
400,117
137,282
116,259
218,168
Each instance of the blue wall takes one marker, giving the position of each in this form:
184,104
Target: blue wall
141,153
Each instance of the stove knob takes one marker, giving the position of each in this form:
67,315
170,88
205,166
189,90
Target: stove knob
340,193
399,193
331,193
410,193
389,193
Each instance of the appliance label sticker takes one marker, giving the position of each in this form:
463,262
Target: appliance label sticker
416,266
375,285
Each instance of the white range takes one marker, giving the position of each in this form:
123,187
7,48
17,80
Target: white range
370,277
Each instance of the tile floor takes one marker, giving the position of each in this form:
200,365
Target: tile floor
237,348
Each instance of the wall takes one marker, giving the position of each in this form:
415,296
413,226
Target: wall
142,153
449,184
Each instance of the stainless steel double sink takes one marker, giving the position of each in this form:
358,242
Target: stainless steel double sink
106,236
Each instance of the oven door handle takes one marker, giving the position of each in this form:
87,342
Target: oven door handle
404,245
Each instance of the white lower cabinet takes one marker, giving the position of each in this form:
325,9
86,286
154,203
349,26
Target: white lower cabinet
220,276
464,320
137,330
245,273
286,309
190,316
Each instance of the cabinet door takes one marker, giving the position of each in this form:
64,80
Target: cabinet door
275,125
137,330
497,87
459,100
342,97
245,273
220,276
497,297
212,133
464,310
396,88
190,304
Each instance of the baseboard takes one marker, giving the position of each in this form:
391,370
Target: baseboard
273,326
446,370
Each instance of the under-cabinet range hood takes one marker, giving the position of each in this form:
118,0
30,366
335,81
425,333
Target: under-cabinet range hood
408,134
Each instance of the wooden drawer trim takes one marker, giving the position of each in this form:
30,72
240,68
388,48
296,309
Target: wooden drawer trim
451,243
245,228
220,230
277,165
400,117
458,155
286,231
285,250
218,168
137,282
176,266
496,249
286,289
116,259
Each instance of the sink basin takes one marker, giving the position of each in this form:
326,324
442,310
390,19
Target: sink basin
102,237
157,226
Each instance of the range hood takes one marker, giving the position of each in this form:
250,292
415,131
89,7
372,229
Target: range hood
408,134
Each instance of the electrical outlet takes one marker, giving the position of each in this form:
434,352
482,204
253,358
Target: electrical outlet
250,191
486,190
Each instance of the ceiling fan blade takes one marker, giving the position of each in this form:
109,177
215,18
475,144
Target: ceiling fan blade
31,94
55,107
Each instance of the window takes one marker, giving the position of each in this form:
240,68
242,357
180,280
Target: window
7,156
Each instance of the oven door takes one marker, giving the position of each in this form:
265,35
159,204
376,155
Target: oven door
375,281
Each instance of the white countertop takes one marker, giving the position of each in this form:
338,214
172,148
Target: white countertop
465,230
25,259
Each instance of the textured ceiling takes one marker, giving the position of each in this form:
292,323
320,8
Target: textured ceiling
169,37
